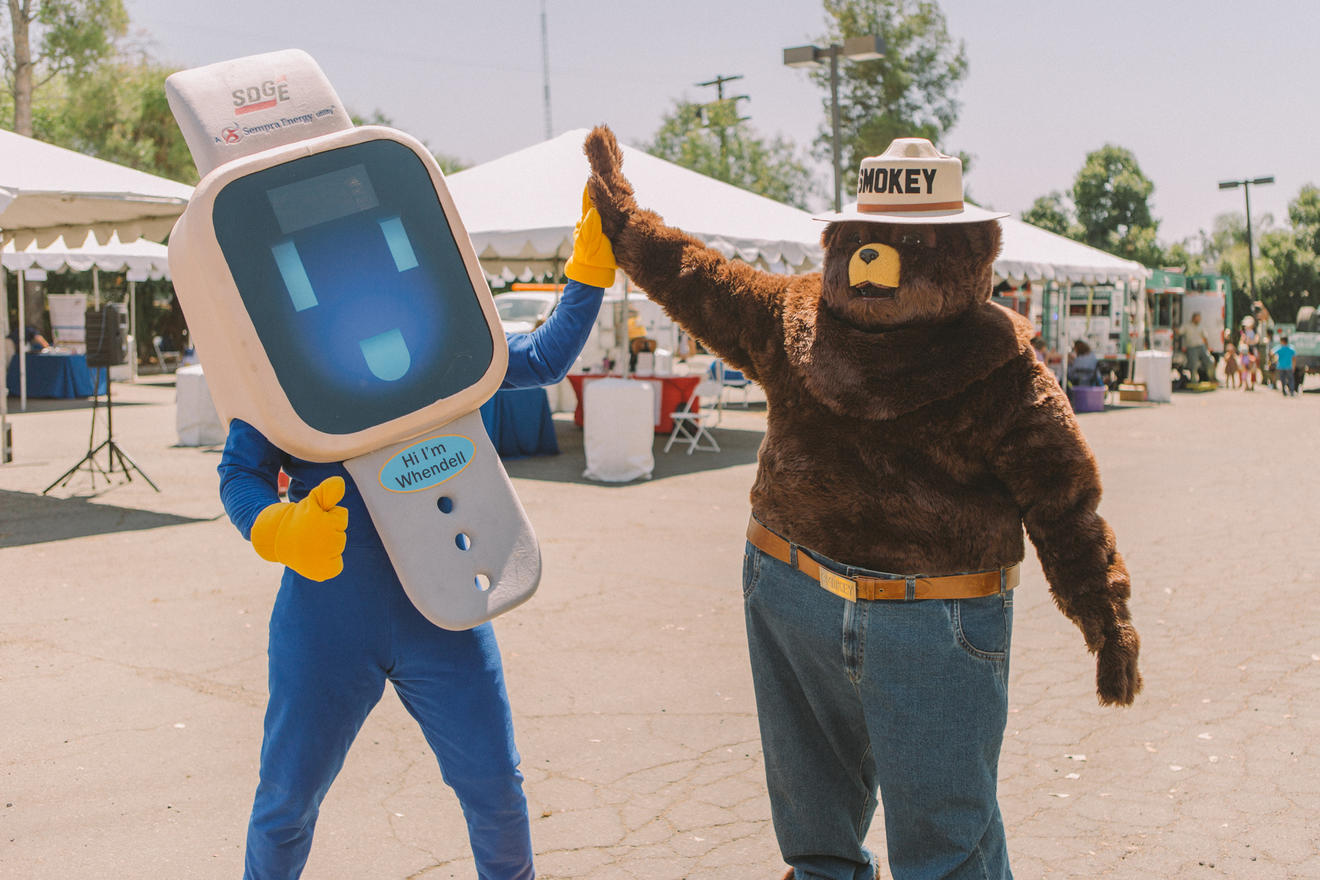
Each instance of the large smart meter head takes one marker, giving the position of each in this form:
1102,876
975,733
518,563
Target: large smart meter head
334,296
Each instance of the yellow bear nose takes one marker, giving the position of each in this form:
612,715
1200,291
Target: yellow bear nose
875,263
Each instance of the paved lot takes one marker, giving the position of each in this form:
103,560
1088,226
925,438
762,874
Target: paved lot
132,668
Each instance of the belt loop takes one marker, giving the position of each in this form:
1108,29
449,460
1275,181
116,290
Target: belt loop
911,587
792,554
1003,581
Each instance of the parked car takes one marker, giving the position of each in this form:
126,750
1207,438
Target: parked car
523,311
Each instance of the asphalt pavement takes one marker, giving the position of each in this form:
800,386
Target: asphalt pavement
132,668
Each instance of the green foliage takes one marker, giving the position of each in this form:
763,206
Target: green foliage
720,145
1111,196
119,114
1051,213
77,35
55,38
908,93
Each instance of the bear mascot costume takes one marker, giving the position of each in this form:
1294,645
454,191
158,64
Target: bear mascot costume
911,433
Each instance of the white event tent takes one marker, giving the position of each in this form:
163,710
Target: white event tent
47,192
520,210
1034,254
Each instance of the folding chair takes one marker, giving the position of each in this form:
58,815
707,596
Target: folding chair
691,424
169,360
728,379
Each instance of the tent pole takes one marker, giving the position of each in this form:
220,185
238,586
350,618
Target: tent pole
96,288
4,384
22,344
132,330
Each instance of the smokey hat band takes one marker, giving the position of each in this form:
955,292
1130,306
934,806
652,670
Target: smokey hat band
911,182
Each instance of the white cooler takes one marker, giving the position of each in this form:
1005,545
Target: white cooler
618,421
1155,370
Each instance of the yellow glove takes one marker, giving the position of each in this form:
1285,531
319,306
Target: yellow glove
307,536
593,257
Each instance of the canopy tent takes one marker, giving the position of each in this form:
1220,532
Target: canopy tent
47,192
55,192
1033,254
520,210
143,260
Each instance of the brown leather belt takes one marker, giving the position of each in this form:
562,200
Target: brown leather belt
949,586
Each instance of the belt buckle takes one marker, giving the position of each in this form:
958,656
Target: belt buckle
843,587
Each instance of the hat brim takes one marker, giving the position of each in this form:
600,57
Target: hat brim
968,214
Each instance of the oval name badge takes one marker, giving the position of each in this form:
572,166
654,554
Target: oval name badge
426,463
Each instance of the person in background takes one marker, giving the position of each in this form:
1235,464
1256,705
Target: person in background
32,336
1083,365
1197,345
1247,341
1264,341
1284,354
1247,363
1038,345
1231,366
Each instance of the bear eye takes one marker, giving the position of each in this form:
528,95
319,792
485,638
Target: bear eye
912,239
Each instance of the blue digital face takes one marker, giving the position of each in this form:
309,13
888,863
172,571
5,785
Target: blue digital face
350,273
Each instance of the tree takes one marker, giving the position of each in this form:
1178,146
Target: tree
1051,212
119,114
908,93
1110,196
711,139
73,37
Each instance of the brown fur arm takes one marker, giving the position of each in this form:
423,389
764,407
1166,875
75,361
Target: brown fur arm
1045,462
727,304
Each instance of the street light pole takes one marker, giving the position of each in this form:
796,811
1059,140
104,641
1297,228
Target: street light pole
855,48
1246,191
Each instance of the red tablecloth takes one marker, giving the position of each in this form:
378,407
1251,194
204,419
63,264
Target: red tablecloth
674,392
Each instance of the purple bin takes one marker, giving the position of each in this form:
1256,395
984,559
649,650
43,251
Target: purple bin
1086,398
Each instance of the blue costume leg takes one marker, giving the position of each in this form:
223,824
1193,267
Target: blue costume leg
453,684
325,677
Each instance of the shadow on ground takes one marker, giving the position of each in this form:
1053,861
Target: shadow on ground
35,519
738,446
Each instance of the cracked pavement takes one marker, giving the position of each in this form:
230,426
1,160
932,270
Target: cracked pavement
132,668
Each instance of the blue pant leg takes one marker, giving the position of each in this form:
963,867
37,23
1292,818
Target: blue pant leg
453,684
936,691
820,772
325,676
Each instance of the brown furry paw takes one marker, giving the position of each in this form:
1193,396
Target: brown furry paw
1117,679
611,192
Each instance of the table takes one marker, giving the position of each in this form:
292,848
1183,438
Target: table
519,423
55,375
674,392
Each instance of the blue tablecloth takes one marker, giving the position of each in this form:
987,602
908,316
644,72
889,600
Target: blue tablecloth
519,423
55,375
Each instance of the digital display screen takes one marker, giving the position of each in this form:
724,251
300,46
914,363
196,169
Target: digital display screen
350,273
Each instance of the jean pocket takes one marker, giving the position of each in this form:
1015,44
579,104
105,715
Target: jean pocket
983,625
751,571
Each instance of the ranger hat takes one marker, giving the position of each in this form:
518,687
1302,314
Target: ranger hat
911,182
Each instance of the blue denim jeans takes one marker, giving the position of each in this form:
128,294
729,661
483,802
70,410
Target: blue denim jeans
907,699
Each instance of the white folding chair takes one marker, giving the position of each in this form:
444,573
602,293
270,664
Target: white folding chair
169,360
691,422
728,379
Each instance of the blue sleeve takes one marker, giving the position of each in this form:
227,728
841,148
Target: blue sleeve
249,475
544,356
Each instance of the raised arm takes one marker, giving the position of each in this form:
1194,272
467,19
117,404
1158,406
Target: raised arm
1052,475
731,307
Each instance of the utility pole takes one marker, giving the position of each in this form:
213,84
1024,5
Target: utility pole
545,72
718,121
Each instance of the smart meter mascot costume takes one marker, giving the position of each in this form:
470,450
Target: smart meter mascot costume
910,435
349,338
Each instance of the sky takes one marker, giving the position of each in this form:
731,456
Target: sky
1198,95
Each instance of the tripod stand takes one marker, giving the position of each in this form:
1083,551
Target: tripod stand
115,453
